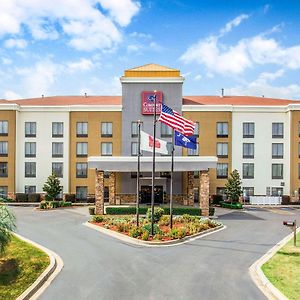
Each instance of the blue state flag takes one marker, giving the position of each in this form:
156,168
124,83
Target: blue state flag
184,141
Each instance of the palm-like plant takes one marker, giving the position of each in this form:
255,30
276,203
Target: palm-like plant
7,225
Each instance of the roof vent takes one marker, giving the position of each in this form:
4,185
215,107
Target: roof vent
42,95
85,95
222,92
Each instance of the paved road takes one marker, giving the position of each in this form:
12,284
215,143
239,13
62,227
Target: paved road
99,267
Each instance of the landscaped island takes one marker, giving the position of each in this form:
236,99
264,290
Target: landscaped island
185,225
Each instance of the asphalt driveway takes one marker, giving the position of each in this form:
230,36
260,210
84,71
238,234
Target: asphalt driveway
100,267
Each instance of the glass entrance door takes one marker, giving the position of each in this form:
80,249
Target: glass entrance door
146,194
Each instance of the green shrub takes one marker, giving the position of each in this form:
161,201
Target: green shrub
234,205
216,199
211,211
158,237
177,233
54,204
70,198
122,226
44,205
145,235
34,197
129,210
173,234
65,203
156,229
21,197
92,210
98,218
164,220
7,225
135,232
158,212
193,211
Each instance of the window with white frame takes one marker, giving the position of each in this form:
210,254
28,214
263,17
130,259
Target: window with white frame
57,129
30,169
222,150
81,149
57,169
106,129
248,150
3,169
3,191
248,192
135,129
57,149
248,130
166,131
134,149
277,150
3,128
222,170
106,149
277,130
81,170
277,191
30,189
30,149
277,171
248,170
30,129
3,148
222,129
193,152
81,192
81,129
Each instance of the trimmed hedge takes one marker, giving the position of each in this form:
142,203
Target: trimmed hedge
235,205
131,210
34,197
70,198
21,197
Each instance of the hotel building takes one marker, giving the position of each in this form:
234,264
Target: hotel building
73,135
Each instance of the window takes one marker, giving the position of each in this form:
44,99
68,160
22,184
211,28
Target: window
277,130
81,149
3,191
248,170
3,169
248,130
30,129
222,149
222,170
134,149
106,149
81,192
222,129
81,170
248,150
3,148
57,169
247,192
106,129
166,131
197,129
81,129
276,191
106,194
277,150
30,149
57,149
57,129
30,169
277,171
3,128
134,129
30,189
193,152
196,174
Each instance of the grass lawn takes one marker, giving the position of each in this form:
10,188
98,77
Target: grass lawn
283,269
20,267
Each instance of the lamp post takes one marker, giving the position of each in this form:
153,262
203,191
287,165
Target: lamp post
138,173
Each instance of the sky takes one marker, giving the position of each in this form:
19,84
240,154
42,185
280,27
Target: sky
72,47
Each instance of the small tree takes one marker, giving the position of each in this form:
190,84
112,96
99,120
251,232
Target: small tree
7,225
233,187
52,187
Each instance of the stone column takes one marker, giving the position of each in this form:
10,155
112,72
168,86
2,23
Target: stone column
112,188
204,193
99,193
190,191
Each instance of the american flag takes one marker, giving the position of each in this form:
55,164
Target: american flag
173,119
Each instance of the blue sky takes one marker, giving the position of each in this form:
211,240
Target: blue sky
69,47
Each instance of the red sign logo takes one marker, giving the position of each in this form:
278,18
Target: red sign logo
148,99
151,140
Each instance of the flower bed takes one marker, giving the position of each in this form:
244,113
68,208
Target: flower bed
183,226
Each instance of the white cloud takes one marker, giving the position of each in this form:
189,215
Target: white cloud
233,23
6,61
15,43
81,65
198,77
263,86
235,59
84,26
11,95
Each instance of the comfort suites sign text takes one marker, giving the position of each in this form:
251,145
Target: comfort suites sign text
148,102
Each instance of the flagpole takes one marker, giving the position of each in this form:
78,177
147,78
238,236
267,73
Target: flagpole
153,166
138,174
171,183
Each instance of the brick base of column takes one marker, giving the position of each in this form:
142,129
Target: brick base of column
112,188
190,192
99,193
204,193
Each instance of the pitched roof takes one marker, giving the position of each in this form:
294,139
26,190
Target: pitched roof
71,100
152,67
236,100
152,70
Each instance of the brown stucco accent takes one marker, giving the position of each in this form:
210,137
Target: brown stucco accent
10,116
208,143
94,141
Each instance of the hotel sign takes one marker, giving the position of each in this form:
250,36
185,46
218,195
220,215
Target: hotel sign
148,102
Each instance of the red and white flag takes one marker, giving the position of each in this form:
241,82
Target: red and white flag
147,144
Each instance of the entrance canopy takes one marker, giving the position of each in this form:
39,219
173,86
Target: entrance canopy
162,163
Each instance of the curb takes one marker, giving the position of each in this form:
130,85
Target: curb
260,279
130,240
45,279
